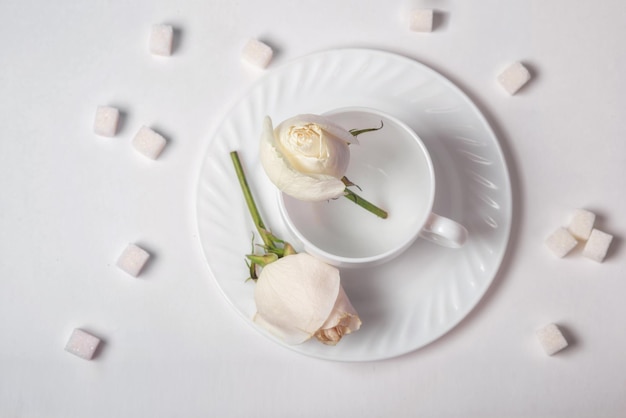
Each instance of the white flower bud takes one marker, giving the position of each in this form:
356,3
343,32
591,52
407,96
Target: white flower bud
299,296
306,156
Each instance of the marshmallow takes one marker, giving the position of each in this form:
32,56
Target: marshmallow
421,20
257,53
514,77
561,242
82,344
105,123
551,339
581,224
149,143
161,38
133,259
597,245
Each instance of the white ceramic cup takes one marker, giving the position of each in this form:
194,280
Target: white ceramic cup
394,171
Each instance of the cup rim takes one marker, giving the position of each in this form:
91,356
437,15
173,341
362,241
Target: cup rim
395,250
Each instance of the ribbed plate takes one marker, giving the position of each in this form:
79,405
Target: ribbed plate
419,296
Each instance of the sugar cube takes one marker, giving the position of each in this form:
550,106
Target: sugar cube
597,245
132,259
149,143
257,53
514,77
581,224
421,20
561,242
161,38
82,344
551,339
105,123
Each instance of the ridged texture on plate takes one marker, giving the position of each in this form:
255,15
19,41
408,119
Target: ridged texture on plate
417,298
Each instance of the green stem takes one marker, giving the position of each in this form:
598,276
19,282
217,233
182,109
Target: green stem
350,195
254,212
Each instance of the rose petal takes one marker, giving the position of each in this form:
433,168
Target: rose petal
343,320
324,123
322,153
295,295
298,185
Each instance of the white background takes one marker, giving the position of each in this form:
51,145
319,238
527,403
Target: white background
173,347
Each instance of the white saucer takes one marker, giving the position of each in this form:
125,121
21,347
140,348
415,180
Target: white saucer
419,296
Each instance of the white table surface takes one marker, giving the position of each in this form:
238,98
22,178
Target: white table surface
173,346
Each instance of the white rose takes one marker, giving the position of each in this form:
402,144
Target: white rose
306,156
299,297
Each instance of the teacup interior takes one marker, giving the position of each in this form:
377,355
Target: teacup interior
393,171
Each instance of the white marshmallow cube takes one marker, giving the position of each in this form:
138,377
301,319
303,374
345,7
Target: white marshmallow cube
551,339
597,245
82,344
106,121
561,242
132,259
514,77
257,53
148,143
161,39
421,20
581,224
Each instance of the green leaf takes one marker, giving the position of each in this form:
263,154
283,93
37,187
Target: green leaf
357,132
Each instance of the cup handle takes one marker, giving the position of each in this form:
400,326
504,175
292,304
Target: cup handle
444,231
